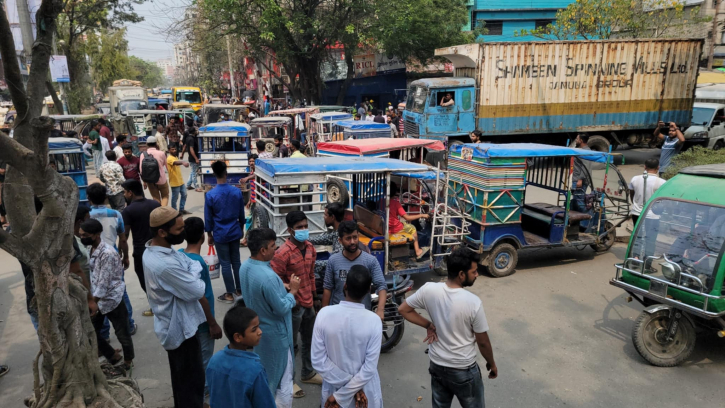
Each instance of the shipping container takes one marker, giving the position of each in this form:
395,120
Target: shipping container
606,88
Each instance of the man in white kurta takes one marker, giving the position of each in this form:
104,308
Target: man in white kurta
346,345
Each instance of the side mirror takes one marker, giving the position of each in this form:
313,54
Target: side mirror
716,123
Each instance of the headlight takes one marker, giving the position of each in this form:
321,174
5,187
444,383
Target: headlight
700,135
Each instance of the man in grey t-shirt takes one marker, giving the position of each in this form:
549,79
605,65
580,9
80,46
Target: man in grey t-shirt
673,139
340,263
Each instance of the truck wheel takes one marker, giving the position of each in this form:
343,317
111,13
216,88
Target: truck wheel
634,139
337,192
607,241
502,260
650,339
261,217
598,143
719,145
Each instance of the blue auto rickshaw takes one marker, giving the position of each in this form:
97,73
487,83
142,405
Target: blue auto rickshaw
226,141
68,156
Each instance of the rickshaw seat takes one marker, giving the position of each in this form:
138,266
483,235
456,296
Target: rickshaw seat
395,239
373,225
550,209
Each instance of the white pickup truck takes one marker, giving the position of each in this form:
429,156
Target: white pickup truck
707,128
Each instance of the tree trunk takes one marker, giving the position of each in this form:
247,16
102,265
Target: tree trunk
57,104
70,371
348,77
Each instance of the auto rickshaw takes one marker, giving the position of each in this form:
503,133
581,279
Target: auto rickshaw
496,184
414,150
674,265
211,113
67,152
79,125
267,129
226,141
301,118
363,129
323,126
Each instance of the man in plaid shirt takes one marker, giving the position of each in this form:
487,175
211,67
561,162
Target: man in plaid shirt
297,257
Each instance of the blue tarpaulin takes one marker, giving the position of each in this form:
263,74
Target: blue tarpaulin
241,128
329,165
362,125
427,175
330,116
64,143
488,150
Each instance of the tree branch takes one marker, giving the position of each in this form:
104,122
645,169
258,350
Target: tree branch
56,102
15,154
10,65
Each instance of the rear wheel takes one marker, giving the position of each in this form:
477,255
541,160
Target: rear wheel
502,260
261,217
598,143
719,145
392,334
337,192
650,339
607,241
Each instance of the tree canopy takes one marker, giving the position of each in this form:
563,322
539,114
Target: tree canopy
147,72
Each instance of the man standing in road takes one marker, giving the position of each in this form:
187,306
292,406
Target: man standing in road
294,148
191,147
111,175
458,324
279,143
673,141
378,117
346,347
224,225
361,110
94,139
105,132
296,257
129,163
159,189
641,190
136,221
175,288
266,294
340,264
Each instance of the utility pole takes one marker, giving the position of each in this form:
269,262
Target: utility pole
231,69
713,39
26,29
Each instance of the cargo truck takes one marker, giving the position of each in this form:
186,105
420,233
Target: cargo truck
547,92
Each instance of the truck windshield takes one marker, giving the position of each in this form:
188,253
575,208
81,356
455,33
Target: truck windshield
188,96
124,106
416,99
702,116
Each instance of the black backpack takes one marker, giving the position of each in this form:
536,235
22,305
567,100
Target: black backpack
150,169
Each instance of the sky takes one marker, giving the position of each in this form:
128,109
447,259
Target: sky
150,39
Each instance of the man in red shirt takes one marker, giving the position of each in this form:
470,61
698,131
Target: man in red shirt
297,257
395,225
105,132
129,163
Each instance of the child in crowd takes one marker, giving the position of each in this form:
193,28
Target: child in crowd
235,375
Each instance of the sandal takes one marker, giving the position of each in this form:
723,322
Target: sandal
223,298
297,392
148,312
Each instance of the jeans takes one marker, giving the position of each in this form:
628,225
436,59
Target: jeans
97,160
193,179
187,374
119,318
207,350
303,321
648,234
106,329
230,261
175,191
465,384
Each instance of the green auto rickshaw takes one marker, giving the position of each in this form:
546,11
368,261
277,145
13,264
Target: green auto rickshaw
674,265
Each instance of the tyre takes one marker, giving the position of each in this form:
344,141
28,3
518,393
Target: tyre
502,260
392,334
442,269
607,241
337,192
634,139
261,217
598,143
719,145
269,147
649,338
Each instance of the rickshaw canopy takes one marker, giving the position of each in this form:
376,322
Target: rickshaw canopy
223,106
78,117
271,121
64,143
362,125
331,116
365,147
154,112
295,111
489,150
333,165
427,175
223,129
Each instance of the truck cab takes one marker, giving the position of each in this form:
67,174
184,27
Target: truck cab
440,108
707,127
190,94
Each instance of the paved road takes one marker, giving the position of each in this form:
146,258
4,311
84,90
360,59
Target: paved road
561,337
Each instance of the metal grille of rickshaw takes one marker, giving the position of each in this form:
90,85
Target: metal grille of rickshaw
410,128
450,226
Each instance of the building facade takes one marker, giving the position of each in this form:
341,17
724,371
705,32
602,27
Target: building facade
505,18
167,67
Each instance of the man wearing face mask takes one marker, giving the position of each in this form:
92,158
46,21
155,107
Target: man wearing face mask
296,257
136,221
174,287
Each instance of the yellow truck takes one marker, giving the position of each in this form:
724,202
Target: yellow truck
188,94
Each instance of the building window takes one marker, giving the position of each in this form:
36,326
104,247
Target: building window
542,23
493,27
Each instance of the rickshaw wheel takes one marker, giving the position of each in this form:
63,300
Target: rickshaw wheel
608,240
392,334
337,192
502,260
649,338
261,218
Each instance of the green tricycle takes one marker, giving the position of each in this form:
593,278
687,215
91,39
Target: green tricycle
674,268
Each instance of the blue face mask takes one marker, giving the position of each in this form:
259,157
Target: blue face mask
302,235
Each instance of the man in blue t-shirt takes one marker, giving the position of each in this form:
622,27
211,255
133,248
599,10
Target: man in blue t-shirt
209,331
673,141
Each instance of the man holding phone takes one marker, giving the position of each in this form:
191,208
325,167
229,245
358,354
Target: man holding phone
673,141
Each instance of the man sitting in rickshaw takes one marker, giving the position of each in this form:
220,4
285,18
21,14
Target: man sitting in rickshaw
395,225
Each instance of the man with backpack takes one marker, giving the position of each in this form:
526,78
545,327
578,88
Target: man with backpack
153,172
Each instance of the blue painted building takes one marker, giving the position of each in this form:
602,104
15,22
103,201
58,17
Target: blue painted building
505,18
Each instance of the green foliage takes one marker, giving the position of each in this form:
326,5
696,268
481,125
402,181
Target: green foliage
146,72
109,59
603,19
479,31
694,156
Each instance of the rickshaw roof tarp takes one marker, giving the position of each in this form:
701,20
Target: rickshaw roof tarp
225,127
488,150
223,106
154,112
64,143
78,117
426,175
330,165
276,120
294,111
364,147
362,125
330,116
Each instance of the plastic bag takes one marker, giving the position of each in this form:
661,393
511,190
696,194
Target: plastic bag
212,262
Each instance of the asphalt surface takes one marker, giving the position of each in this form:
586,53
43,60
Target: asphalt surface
561,337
